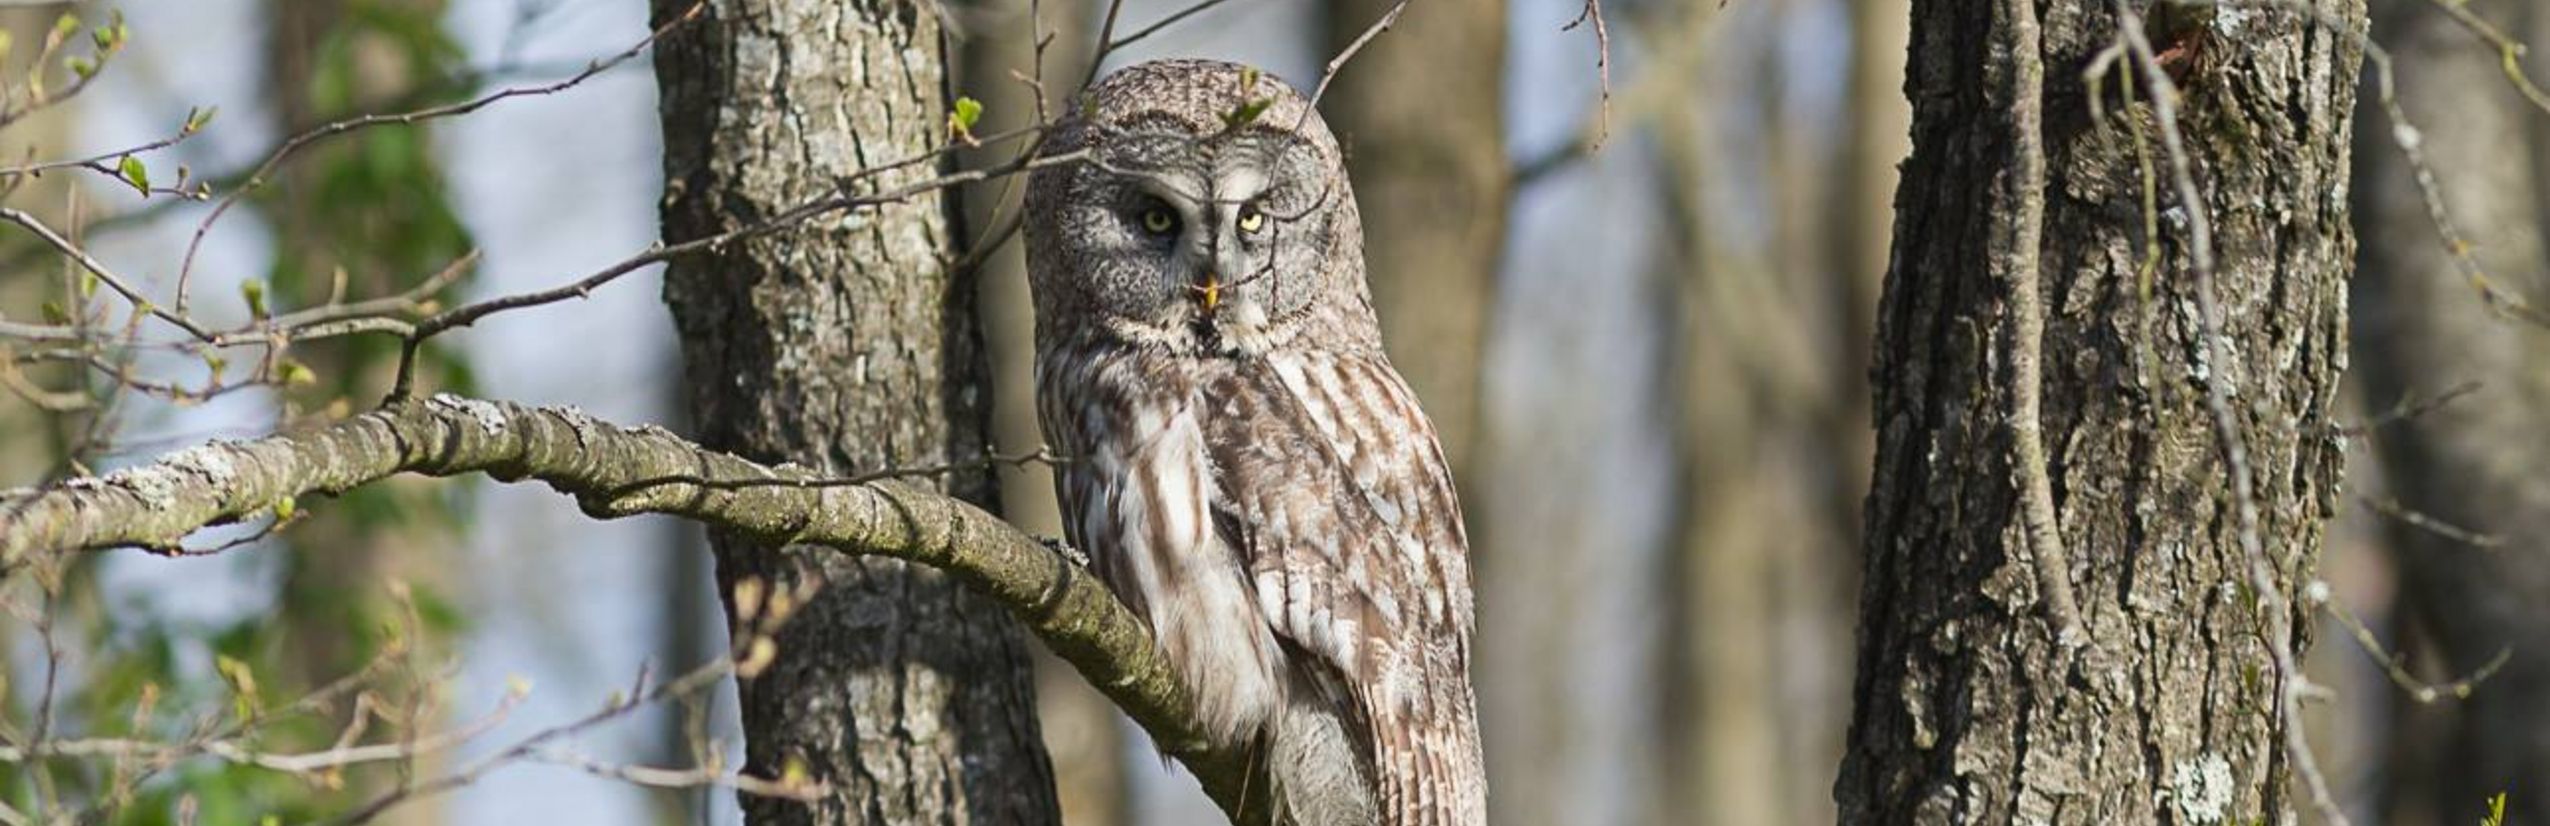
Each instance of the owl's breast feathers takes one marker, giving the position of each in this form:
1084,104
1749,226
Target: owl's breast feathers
1291,511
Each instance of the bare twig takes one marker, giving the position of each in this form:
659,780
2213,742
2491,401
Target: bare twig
1162,23
2510,52
1106,43
142,305
1329,73
189,130
2414,518
2408,408
2420,691
533,746
468,314
1602,59
257,178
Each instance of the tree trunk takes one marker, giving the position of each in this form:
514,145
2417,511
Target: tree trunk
1966,708
1421,114
843,346
2476,462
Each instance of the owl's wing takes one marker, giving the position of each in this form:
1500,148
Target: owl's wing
1336,497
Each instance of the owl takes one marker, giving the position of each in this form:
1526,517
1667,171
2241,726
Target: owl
1244,468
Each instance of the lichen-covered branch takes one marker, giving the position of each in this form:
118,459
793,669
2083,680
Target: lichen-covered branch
614,471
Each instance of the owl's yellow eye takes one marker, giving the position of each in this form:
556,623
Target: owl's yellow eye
1251,221
1158,221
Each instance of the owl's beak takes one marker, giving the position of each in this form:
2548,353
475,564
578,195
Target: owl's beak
1212,290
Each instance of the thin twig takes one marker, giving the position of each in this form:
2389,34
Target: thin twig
2420,691
189,130
639,695
2510,52
141,304
691,778
1329,74
1162,23
468,314
2414,518
2408,408
1602,60
257,178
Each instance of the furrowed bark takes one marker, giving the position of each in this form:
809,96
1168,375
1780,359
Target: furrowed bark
1967,709
844,345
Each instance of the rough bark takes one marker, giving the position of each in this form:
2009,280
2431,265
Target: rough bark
2476,462
845,347
1421,115
1966,708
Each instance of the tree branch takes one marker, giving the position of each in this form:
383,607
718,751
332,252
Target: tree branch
615,471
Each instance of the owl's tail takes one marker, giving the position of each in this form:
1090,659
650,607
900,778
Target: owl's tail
1427,766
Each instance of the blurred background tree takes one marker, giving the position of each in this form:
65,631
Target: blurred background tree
2475,586
349,584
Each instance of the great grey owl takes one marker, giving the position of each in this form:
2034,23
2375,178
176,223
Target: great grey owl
1243,466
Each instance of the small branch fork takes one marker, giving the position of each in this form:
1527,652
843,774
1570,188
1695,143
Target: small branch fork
257,178
375,733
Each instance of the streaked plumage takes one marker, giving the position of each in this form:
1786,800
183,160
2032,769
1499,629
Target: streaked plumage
1246,470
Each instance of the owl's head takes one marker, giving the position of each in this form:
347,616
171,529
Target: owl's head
1206,211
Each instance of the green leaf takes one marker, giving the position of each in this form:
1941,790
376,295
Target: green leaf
80,65
284,508
1247,112
960,122
254,292
54,314
66,24
293,372
197,119
135,173
243,684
